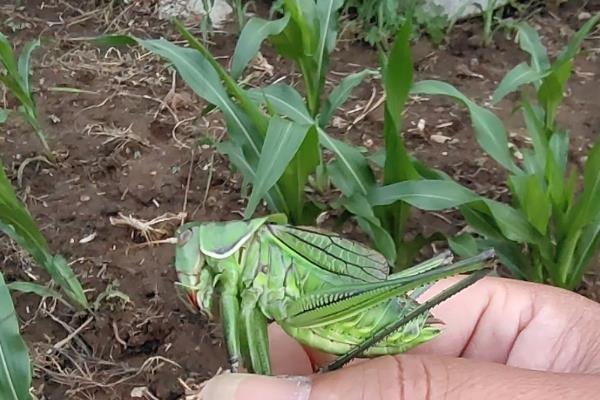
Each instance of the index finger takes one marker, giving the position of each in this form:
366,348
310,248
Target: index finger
518,323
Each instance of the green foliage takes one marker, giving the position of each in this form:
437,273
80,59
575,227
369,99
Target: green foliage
551,231
15,368
16,78
378,21
17,223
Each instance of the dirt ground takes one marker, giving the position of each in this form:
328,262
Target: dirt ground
129,145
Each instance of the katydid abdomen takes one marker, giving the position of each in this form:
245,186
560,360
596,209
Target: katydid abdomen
330,293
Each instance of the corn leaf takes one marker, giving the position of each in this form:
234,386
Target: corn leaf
252,36
285,100
15,369
397,79
340,94
7,56
530,42
574,45
533,200
551,92
281,145
16,222
520,75
363,211
327,12
464,245
559,148
24,63
431,195
435,195
234,153
3,115
489,131
204,80
37,289
288,102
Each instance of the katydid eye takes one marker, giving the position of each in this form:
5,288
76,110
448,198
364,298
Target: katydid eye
184,237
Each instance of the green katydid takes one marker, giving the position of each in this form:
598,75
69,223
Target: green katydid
330,293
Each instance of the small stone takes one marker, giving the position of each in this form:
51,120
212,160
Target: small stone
441,139
584,16
84,197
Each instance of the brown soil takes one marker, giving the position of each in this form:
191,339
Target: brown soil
125,147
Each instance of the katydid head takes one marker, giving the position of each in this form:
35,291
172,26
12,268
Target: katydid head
195,280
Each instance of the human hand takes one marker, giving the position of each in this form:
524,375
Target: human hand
503,340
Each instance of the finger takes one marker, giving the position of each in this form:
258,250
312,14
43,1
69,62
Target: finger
416,377
519,324
288,357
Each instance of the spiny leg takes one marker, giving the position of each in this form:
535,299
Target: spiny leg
254,327
339,303
385,332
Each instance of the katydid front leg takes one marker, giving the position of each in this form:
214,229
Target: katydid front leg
254,326
230,311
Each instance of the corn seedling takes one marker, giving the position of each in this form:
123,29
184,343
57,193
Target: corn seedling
275,135
278,136
17,80
15,368
17,223
551,232
328,292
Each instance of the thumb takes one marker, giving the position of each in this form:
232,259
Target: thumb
414,377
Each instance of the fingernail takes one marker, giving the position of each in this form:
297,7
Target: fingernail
250,387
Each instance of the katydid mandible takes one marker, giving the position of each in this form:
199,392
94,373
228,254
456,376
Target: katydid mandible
330,293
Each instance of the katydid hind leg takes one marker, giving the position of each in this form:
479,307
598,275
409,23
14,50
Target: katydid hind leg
426,306
254,327
344,301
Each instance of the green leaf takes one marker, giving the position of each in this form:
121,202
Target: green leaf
559,148
431,195
520,75
464,245
586,251
35,288
363,211
288,102
16,222
114,40
340,94
478,217
204,80
551,92
491,134
574,45
358,176
251,38
533,200
3,115
285,100
588,207
274,197
529,40
327,11
15,368
510,255
535,130
7,57
513,224
24,63
397,80
281,144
